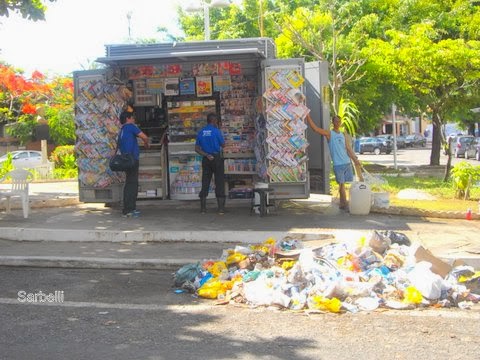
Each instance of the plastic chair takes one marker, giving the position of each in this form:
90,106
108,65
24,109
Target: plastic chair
20,179
266,200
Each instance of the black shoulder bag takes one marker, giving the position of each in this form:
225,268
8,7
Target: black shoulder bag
121,162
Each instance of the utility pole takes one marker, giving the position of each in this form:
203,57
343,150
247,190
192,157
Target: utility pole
129,18
394,132
260,15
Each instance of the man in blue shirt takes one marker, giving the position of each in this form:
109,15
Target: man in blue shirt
341,153
128,144
209,144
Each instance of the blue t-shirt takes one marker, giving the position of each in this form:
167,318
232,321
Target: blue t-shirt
128,140
210,139
338,151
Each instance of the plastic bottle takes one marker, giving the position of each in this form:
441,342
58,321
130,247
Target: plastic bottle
468,215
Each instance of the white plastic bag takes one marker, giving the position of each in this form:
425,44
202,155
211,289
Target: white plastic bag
425,281
375,181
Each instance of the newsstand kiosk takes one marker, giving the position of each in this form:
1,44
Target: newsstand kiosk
260,101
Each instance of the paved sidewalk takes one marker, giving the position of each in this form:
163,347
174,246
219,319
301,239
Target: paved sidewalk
171,233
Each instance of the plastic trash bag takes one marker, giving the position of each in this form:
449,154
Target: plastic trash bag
396,237
318,302
217,268
187,273
378,242
422,278
213,288
412,296
373,180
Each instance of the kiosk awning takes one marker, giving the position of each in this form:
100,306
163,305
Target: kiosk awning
262,48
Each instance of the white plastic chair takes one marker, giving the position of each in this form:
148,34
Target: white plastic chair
20,179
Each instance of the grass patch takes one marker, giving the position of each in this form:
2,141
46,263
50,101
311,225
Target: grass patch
436,205
444,192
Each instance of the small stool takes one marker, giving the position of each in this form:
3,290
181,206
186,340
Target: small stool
264,201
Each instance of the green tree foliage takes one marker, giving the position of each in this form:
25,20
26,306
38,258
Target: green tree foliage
29,9
464,176
65,162
23,128
64,157
348,112
6,166
60,113
24,102
439,73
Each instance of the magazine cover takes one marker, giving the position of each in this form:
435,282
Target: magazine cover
222,83
204,85
171,86
187,86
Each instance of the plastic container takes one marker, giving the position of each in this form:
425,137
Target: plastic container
360,198
468,215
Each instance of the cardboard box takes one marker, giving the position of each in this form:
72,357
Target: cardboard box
438,266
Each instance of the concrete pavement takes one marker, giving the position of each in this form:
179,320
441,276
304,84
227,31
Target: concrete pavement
62,232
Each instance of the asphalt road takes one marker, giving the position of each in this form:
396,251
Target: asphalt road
410,157
111,314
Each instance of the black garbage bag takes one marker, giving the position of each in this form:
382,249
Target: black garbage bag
397,238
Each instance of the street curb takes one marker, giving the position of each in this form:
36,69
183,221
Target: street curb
245,237
423,213
131,264
93,263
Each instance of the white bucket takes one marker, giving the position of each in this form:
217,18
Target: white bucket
381,200
360,198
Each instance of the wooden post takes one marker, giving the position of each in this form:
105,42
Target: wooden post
43,144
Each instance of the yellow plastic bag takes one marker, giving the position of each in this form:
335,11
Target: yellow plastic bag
412,296
217,268
213,288
235,258
318,302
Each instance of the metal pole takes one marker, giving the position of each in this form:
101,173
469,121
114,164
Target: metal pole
260,14
206,20
394,126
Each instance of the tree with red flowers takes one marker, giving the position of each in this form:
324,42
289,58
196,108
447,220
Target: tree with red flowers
26,101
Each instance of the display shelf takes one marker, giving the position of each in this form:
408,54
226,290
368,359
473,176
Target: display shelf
147,180
150,168
152,174
187,116
285,126
240,172
238,155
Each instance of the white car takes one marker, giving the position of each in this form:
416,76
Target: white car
24,159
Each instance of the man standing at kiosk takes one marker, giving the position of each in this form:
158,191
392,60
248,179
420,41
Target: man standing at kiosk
341,153
209,145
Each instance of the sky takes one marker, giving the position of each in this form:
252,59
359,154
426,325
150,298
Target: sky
76,31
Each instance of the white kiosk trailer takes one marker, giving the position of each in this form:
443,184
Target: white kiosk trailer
261,102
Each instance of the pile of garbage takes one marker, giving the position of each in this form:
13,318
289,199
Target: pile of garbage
378,270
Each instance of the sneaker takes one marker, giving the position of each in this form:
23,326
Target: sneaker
132,214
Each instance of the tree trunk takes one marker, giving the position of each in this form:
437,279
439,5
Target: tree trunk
436,140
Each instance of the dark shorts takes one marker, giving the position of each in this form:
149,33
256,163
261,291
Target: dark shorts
343,173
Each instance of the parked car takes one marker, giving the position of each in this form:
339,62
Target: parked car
375,145
400,139
23,159
459,144
415,140
473,149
